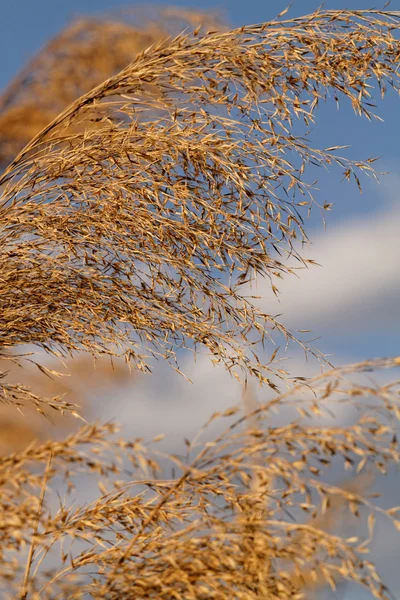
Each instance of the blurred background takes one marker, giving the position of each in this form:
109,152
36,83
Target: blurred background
350,302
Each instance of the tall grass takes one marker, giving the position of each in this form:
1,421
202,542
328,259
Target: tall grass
128,225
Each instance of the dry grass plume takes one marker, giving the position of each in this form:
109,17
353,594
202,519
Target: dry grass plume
152,178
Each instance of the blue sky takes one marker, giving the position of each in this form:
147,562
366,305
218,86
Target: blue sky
351,301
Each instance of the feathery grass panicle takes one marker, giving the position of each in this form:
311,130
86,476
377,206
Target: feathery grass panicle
130,222
208,532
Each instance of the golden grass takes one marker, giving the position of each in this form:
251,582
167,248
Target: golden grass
140,211
207,532
128,225
76,60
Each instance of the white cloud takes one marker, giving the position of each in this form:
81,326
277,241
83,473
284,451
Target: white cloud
358,276
165,403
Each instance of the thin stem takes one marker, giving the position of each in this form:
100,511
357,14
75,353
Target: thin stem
25,583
